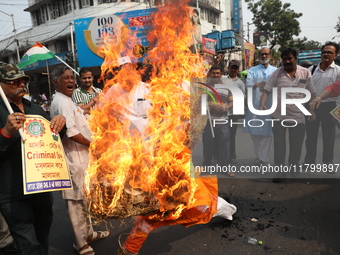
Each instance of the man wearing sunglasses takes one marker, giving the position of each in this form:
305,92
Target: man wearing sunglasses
326,73
29,217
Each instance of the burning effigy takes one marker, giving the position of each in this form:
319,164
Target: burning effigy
143,133
148,169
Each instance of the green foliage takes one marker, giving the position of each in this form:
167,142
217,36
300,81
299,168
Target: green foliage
275,18
304,44
337,27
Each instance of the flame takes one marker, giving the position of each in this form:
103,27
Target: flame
147,171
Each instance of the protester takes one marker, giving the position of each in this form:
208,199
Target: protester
256,79
86,96
222,131
29,217
76,143
233,69
289,75
326,73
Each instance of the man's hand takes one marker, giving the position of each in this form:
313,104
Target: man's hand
313,117
260,85
218,107
14,123
315,103
57,123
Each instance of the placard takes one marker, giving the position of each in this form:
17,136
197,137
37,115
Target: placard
43,158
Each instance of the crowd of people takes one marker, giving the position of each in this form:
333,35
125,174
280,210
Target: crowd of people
25,220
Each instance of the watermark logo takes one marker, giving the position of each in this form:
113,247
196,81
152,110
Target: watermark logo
238,97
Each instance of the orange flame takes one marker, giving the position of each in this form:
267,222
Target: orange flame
154,162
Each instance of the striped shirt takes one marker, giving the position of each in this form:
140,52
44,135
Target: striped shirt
81,96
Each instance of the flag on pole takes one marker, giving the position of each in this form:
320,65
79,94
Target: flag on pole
36,53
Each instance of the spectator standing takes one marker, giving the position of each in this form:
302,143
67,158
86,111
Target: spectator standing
222,131
29,217
256,79
288,75
76,143
86,95
233,69
326,73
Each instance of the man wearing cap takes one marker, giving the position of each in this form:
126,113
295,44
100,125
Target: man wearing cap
29,217
233,69
256,79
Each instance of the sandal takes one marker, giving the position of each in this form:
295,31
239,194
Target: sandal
96,235
85,250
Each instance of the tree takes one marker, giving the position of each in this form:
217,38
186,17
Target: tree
276,19
304,44
337,27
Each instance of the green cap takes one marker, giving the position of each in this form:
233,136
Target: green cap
260,242
11,72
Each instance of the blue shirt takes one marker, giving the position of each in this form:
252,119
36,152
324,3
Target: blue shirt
258,74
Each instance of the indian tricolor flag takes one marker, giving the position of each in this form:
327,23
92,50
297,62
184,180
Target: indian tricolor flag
34,54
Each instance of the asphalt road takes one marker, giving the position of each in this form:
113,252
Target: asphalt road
296,216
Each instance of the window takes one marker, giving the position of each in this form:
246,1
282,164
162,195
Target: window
85,3
54,10
61,45
40,16
60,8
213,17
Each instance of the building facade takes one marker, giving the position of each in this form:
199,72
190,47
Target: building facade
52,25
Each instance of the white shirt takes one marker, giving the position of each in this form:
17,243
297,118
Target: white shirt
77,155
134,102
323,79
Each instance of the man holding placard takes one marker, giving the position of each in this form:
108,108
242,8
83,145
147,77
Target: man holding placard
29,217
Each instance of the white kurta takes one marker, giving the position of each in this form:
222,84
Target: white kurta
77,155
135,103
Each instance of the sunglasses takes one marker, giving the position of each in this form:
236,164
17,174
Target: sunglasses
17,83
327,52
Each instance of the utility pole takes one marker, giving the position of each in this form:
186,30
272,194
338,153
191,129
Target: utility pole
248,24
15,33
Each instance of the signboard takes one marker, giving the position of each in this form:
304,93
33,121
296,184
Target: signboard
236,15
249,54
91,33
336,113
260,38
209,46
43,159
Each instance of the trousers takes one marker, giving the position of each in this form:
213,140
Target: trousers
325,119
29,221
222,136
296,137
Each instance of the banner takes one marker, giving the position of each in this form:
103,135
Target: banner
209,52
43,159
249,54
90,33
236,15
